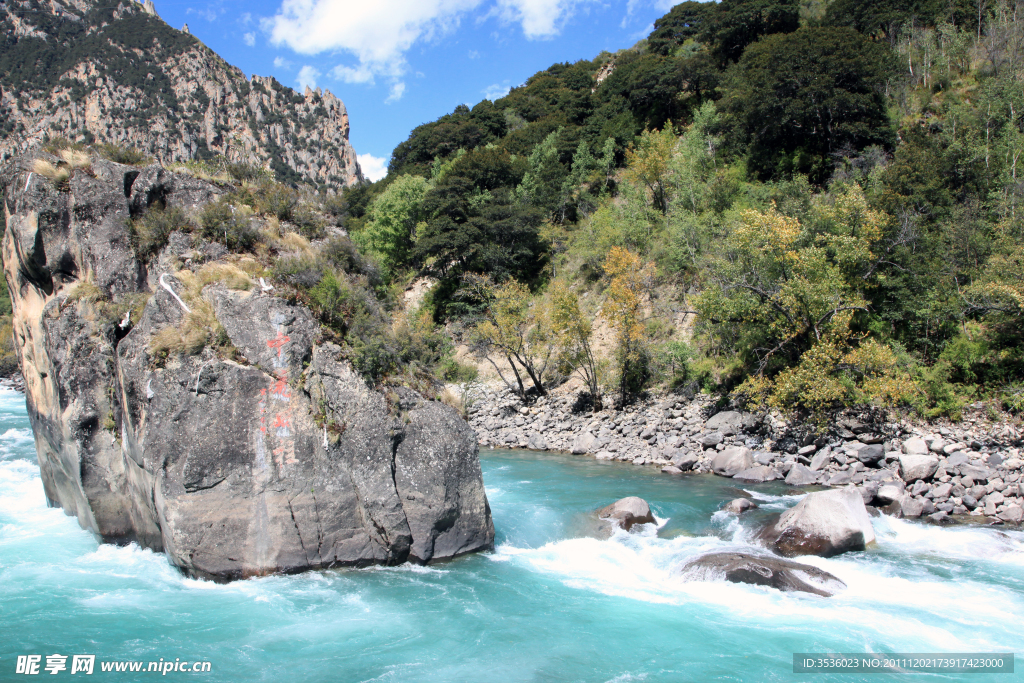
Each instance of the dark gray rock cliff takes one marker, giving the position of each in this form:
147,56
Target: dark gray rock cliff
276,457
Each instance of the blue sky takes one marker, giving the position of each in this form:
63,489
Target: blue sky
399,63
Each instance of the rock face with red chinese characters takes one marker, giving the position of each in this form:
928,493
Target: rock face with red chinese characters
264,453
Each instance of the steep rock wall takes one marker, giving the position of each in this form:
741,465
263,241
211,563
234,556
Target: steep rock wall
276,459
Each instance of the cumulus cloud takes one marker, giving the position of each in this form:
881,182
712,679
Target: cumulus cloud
373,167
397,90
496,91
250,39
539,18
348,74
307,77
282,63
379,33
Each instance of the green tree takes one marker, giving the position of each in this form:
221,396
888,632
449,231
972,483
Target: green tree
735,24
393,216
806,96
683,22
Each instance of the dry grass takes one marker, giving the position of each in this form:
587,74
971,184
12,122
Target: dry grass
75,158
57,174
229,274
293,241
454,400
202,171
197,330
250,266
200,327
86,290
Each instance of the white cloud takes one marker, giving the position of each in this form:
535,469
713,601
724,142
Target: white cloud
307,77
282,63
348,74
539,18
660,5
397,90
379,33
473,54
496,91
373,167
250,39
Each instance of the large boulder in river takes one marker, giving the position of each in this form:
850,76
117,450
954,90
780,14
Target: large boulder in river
626,512
824,523
761,570
732,461
757,475
258,449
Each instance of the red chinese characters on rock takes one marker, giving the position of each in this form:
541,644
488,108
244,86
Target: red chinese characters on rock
276,407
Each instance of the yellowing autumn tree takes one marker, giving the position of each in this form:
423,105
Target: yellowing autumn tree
648,163
514,326
571,331
629,281
788,293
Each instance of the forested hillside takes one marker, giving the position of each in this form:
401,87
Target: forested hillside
828,191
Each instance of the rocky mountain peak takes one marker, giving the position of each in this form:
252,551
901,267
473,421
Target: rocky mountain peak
96,72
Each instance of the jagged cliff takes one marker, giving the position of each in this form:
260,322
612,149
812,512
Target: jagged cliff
260,451
115,72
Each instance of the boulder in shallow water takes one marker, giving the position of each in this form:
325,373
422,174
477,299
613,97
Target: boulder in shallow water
626,512
584,443
800,475
739,506
732,461
757,475
686,461
762,570
824,523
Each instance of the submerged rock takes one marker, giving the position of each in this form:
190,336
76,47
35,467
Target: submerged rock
762,570
627,512
739,506
824,523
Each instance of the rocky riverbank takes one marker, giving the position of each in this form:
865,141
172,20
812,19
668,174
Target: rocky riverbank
943,473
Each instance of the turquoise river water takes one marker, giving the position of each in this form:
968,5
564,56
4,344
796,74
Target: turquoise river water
552,602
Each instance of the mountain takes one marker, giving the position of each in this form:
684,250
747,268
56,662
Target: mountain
97,72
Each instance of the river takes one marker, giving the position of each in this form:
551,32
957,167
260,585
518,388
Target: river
550,603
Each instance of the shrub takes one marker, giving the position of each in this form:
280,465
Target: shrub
231,226
8,354
151,231
123,155
276,200
674,359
